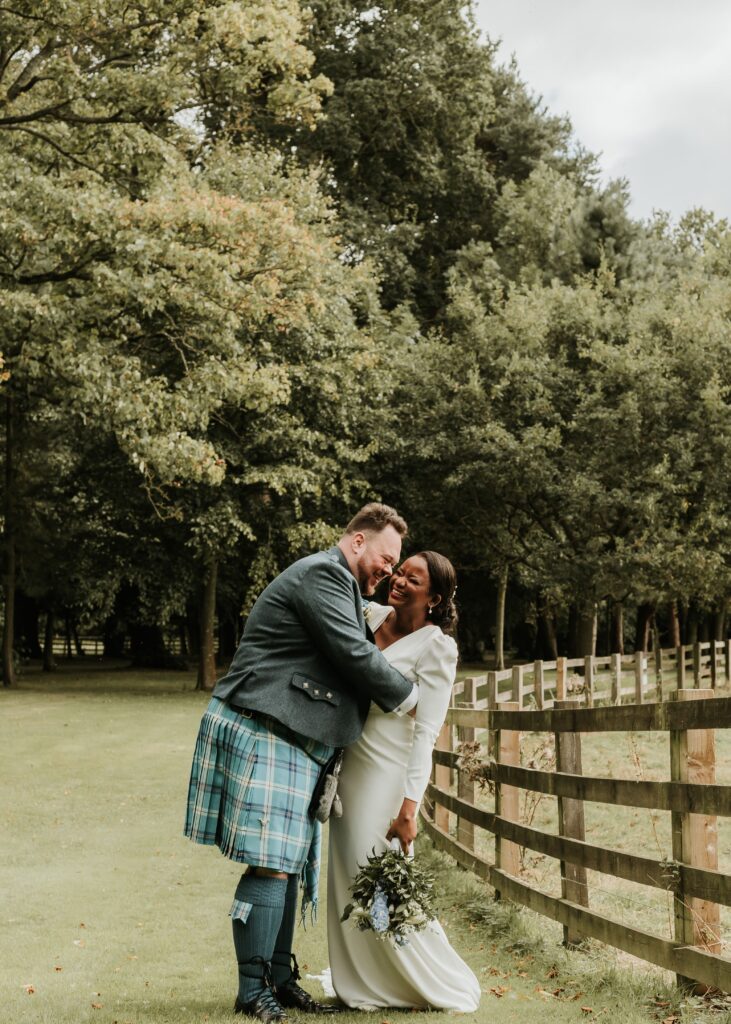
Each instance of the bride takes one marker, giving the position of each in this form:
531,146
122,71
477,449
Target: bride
384,776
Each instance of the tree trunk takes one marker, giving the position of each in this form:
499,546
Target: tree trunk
182,637
147,647
674,624
586,632
68,638
26,626
502,590
114,637
645,613
572,632
691,626
49,662
547,647
719,623
207,656
10,571
77,639
617,643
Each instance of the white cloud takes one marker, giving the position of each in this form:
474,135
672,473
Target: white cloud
645,83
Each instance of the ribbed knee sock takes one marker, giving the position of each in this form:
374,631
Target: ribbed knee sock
282,956
255,937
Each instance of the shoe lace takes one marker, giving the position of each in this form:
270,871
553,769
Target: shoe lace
267,1000
295,969
266,970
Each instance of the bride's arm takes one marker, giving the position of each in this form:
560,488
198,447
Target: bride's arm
435,672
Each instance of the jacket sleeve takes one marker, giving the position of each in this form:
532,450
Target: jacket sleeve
325,606
435,672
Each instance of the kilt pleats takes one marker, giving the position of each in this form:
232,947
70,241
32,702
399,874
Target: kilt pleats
249,792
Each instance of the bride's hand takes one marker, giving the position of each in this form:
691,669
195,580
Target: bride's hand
403,827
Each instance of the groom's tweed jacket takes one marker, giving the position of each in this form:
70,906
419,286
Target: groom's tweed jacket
304,658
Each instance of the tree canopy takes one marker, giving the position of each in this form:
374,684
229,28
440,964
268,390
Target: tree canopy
259,263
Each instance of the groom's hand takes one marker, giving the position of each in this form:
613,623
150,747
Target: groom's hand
403,827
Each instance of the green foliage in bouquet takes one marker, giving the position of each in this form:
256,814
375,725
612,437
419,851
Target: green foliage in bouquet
392,897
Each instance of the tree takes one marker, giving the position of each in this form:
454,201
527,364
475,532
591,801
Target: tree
419,133
128,283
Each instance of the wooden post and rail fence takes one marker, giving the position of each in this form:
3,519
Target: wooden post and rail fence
675,693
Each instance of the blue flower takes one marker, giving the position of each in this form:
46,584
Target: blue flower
379,914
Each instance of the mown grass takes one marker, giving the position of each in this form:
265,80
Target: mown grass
110,915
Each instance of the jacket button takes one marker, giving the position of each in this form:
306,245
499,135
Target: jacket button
329,695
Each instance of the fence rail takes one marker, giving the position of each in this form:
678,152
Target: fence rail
612,678
495,710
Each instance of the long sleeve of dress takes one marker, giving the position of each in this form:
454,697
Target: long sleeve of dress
435,671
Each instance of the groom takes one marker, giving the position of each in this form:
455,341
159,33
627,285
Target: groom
306,673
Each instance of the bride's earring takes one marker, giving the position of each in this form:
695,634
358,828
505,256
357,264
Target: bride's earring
428,612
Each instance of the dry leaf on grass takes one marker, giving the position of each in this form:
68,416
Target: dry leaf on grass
30,989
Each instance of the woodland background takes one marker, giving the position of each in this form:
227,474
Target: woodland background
262,262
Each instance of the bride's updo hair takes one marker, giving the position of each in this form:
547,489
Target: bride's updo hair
443,580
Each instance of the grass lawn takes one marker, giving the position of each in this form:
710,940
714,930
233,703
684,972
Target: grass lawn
110,915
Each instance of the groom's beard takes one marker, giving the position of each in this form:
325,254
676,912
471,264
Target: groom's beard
366,580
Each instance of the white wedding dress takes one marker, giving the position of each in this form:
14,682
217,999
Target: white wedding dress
390,761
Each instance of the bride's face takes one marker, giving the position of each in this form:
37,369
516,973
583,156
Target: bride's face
410,586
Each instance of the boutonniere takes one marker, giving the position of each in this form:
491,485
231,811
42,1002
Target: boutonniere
367,611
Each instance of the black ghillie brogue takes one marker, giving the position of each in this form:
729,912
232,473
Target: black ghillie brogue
265,1008
293,996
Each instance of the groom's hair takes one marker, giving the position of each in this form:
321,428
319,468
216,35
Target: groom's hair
376,517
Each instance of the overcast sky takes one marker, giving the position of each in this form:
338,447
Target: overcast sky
646,83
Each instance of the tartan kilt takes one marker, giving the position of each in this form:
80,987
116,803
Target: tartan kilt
250,790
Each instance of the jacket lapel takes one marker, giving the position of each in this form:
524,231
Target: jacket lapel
356,593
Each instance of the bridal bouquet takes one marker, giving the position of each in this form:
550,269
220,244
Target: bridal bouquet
392,897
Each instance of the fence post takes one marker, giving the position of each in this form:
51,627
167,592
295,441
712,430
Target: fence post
727,658
518,685
560,678
507,798
589,680
639,669
696,665
680,667
465,787
713,666
695,836
491,705
442,776
538,683
658,672
616,679
571,821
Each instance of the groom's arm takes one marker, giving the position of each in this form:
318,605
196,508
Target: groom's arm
325,604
